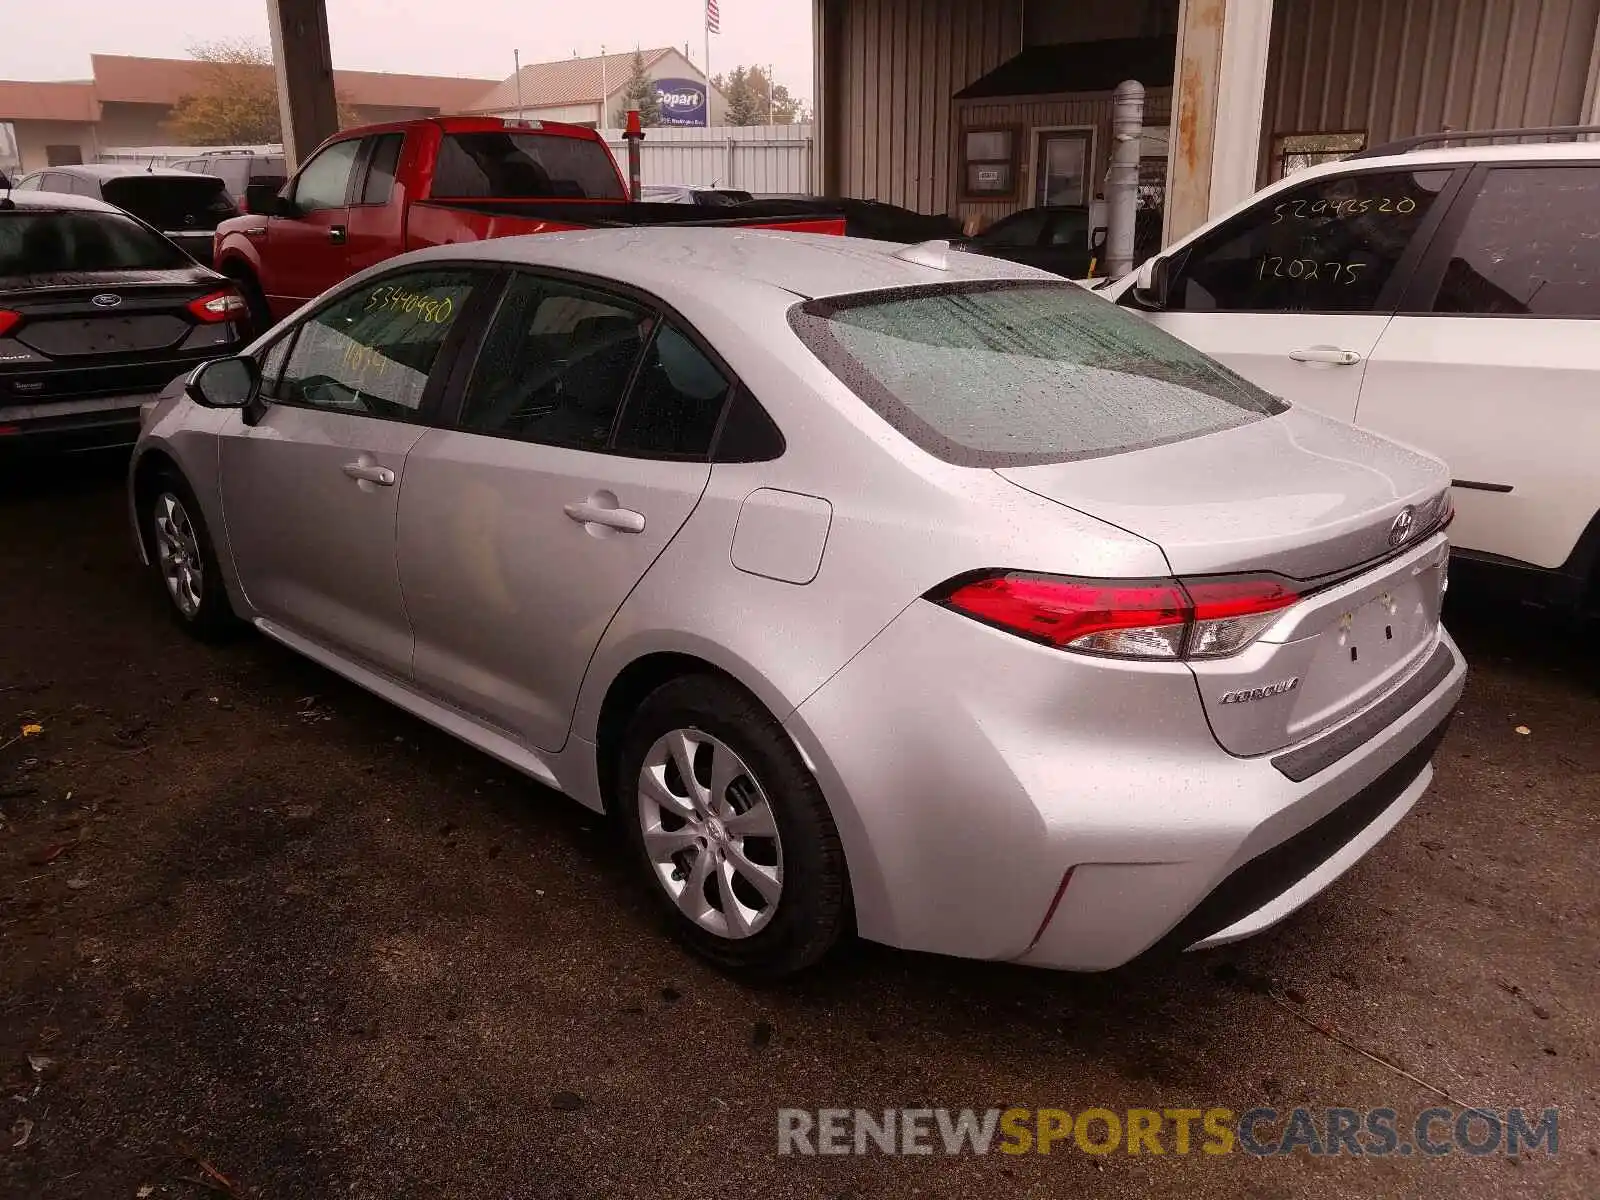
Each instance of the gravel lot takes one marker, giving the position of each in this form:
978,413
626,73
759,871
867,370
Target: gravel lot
251,918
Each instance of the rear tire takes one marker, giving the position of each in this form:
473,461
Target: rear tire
184,559
255,299
744,860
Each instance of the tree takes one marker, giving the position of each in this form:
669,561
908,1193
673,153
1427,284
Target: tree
754,100
236,102
640,92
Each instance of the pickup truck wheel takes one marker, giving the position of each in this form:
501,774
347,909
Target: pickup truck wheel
255,300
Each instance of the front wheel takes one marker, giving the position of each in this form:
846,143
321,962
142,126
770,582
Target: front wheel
730,830
183,556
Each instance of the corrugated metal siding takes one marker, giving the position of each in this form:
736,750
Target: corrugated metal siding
901,61
1398,67
1045,112
765,159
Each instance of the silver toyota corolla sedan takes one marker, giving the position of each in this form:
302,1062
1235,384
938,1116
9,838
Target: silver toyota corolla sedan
871,588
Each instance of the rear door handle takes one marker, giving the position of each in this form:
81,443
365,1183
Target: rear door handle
588,513
1326,354
370,473
336,234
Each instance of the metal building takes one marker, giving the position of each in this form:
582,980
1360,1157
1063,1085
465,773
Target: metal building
981,107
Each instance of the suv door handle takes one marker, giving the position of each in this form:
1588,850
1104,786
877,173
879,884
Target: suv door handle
1326,354
370,473
336,234
589,513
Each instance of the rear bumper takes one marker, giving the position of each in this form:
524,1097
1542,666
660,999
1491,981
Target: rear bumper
1002,800
101,423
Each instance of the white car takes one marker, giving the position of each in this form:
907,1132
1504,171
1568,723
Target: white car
1445,298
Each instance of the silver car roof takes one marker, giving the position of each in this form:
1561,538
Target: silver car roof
670,261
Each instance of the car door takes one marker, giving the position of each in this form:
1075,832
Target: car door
1294,292
310,492
306,251
1494,362
1065,246
523,528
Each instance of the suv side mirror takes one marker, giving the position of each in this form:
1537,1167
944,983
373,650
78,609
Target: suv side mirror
1151,283
224,382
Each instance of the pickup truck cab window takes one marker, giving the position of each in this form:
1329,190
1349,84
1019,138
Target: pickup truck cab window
525,166
326,178
383,154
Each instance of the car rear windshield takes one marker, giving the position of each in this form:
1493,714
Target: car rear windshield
999,374
47,243
525,166
173,203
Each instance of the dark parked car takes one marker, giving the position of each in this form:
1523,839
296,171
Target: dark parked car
184,206
239,170
98,313
1060,239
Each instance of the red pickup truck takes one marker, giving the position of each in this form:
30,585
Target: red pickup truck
371,193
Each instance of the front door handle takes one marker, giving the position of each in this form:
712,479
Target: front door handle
1331,355
608,517
370,473
336,234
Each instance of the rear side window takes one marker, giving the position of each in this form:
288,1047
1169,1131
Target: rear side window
1014,374
555,364
381,162
675,402
525,166
43,243
1329,246
1530,246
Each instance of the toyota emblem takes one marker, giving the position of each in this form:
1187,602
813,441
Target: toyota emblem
1401,529
106,300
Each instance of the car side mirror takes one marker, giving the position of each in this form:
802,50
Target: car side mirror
224,382
262,198
1151,283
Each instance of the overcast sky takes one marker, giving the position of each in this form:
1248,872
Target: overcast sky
424,37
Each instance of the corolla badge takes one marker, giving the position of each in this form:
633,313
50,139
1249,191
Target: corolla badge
1403,522
106,300
1245,695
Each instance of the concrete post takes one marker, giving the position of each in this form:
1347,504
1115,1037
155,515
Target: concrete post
304,67
1218,92
1122,180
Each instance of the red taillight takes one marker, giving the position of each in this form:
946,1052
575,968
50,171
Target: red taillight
7,320
1137,618
226,305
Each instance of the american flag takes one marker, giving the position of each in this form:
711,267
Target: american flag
713,17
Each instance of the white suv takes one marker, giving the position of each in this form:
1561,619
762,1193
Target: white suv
1447,298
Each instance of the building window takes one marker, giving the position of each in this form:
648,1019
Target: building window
1293,152
989,163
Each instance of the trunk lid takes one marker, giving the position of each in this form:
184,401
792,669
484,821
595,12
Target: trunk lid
1302,496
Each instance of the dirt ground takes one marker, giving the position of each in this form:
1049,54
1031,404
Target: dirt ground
262,935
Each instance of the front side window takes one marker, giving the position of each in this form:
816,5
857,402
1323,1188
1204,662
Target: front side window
1530,246
525,166
1329,246
326,179
1022,229
997,375
371,351
555,364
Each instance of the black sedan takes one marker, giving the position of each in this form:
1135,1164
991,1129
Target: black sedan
98,313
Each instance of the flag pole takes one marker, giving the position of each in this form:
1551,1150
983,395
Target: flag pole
707,16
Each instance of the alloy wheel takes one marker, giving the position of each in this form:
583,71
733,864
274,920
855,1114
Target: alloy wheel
710,833
178,554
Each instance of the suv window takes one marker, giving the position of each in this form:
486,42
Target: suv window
555,364
326,179
1012,374
1528,246
370,352
675,402
1329,246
